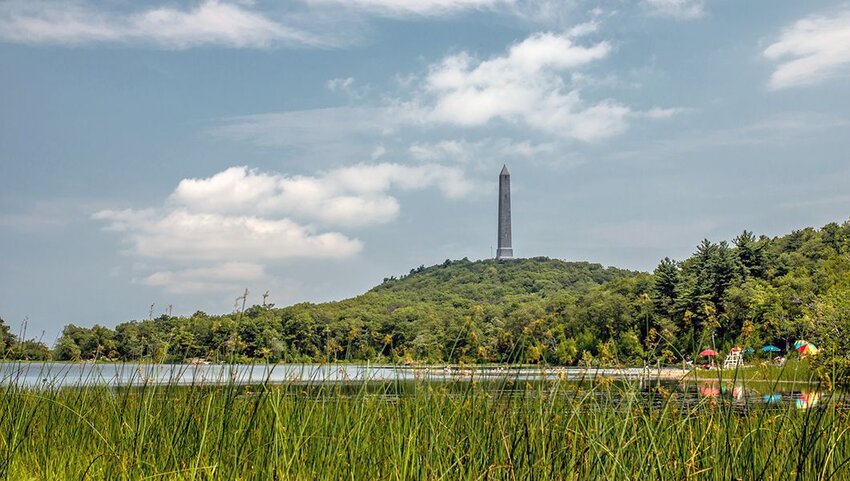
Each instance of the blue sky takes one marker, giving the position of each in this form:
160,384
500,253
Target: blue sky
177,153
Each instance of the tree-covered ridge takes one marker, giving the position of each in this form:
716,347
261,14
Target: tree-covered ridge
456,311
439,313
750,292
490,280
11,346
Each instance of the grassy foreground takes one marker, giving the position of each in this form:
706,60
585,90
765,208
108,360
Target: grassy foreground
453,431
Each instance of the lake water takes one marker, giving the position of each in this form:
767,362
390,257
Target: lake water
76,374
53,375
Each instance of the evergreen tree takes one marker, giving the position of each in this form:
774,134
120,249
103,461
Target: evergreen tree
750,254
664,290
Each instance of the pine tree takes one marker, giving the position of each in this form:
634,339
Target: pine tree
750,254
664,290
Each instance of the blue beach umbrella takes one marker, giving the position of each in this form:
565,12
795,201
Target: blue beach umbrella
770,349
749,351
772,398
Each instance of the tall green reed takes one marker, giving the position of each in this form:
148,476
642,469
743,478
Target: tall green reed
478,430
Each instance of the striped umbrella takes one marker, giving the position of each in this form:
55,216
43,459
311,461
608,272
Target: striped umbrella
808,349
807,400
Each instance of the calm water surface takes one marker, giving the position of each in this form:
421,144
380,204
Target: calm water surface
76,374
52,375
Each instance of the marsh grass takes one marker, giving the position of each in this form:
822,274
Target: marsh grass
414,430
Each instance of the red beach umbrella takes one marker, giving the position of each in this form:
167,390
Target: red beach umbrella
709,390
708,353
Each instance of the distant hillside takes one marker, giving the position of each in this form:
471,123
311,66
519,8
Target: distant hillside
491,281
750,292
435,310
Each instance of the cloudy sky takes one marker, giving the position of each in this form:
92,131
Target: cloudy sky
176,153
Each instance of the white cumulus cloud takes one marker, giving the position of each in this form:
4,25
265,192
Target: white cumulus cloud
183,235
226,225
531,86
348,196
811,50
524,86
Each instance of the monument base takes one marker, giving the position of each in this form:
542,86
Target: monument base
504,253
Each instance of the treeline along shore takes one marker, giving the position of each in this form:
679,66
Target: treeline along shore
748,292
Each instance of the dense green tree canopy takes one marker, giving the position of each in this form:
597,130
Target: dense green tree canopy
13,348
748,293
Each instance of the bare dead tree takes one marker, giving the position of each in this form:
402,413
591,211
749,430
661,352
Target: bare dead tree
23,333
265,296
23,336
243,298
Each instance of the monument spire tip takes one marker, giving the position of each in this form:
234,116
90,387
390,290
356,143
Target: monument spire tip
504,170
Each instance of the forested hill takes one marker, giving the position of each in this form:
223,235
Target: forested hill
434,313
748,292
454,287
492,281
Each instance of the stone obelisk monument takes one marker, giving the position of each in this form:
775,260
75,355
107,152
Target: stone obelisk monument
504,251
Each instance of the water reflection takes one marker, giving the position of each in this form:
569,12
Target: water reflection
707,390
398,380
771,398
740,394
73,374
807,399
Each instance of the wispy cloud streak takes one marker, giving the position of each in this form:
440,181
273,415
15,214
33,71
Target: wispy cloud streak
211,22
811,50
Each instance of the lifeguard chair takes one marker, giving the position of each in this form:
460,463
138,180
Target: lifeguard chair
734,359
